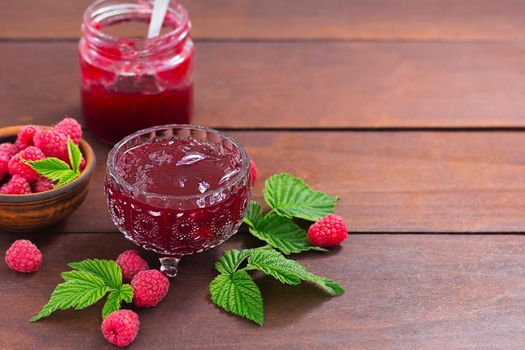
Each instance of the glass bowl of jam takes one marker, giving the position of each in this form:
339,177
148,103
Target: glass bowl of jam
177,190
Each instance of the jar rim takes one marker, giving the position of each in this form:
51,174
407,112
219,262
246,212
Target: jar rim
112,162
102,10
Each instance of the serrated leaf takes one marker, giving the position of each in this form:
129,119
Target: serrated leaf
54,169
66,179
288,271
282,233
231,259
332,287
239,295
254,214
126,292
75,156
276,265
80,290
115,299
112,303
50,167
290,196
107,270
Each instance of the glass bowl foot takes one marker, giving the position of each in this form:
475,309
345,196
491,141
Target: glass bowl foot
168,266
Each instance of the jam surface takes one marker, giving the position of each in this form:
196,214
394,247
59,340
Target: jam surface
177,167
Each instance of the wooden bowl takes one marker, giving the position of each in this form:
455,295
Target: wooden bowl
31,212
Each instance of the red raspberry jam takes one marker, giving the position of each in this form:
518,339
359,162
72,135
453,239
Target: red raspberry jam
180,194
130,83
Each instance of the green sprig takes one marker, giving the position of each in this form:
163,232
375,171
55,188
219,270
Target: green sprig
57,170
289,197
89,282
235,291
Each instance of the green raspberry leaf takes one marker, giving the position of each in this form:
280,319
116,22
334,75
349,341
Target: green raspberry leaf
75,156
283,234
273,263
229,262
239,295
115,298
107,270
290,197
54,169
288,271
331,287
254,215
66,179
80,290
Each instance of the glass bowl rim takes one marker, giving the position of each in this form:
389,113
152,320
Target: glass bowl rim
112,170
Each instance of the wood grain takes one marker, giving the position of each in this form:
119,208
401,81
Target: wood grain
388,181
402,292
302,85
303,64
297,19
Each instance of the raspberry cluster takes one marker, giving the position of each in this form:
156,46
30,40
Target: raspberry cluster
33,143
149,288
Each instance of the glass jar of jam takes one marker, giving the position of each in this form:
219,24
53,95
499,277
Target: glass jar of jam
130,82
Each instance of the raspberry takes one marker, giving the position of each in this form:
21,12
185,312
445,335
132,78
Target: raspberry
150,288
9,149
52,143
82,164
26,136
254,171
4,161
17,166
43,184
131,263
71,128
16,185
120,328
23,256
329,231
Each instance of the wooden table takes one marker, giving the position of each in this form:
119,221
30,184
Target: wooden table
412,111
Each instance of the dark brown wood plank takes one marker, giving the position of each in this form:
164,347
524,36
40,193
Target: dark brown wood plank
388,181
297,19
298,85
402,291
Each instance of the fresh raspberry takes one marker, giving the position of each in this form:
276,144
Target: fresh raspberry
131,263
150,287
254,171
82,164
329,231
23,256
71,128
52,143
25,136
16,185
43,184
17,166
120,328
4,161
9,149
